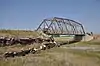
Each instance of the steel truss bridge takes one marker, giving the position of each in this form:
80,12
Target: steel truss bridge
61,26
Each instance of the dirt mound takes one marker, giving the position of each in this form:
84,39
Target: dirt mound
97,37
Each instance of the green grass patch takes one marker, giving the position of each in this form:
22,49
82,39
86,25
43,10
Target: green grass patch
85,53
90,42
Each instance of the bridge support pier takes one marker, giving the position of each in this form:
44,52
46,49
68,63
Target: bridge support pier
78,38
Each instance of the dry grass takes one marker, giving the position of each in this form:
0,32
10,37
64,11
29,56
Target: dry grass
18,33
58,56
54,57
17,47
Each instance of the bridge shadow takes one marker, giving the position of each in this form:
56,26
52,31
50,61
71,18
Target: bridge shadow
77,38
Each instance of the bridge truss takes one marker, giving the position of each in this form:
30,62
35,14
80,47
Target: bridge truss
61,26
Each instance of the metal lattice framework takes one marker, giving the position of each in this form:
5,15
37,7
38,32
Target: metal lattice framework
61,26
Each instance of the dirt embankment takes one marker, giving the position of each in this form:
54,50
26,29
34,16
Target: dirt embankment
96,37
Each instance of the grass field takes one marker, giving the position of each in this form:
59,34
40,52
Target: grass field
57,56
18,33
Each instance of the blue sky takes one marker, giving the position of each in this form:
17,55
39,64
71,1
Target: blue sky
28,14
